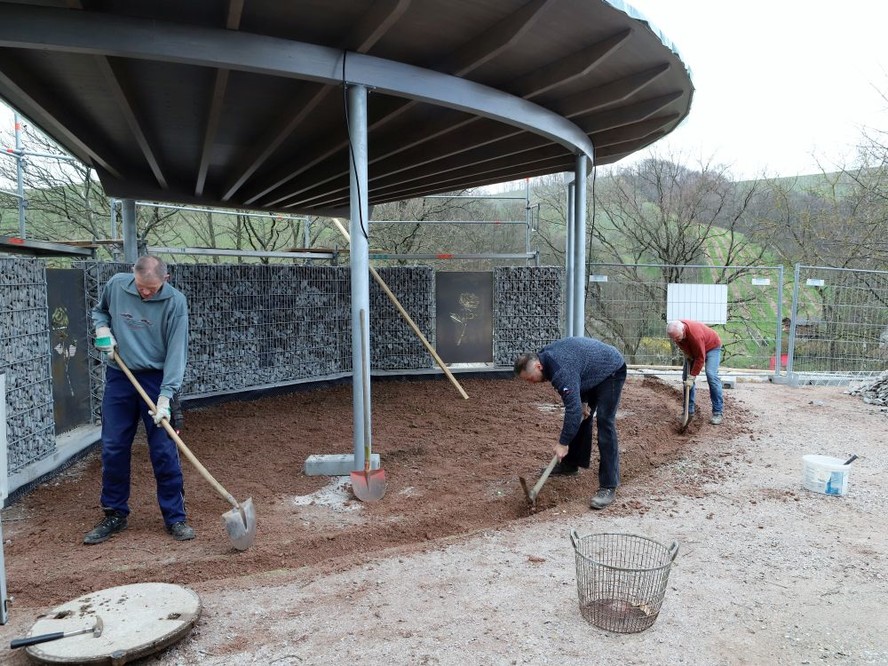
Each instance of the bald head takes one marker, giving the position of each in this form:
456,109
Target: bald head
150,274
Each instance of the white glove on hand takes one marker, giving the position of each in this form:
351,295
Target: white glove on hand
689,382
163,410
105,342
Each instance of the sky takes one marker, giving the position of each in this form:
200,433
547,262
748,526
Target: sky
777,82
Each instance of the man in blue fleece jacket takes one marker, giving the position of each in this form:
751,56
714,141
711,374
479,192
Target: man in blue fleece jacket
583,370
149,320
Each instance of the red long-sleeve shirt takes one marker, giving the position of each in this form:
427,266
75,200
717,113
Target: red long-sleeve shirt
698,340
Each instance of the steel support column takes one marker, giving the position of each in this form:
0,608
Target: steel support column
579,248
130,232
568,255
360,261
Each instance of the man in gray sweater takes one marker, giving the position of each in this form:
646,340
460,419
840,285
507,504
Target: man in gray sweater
583,370
149,318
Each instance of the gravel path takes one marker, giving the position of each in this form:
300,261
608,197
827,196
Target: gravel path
767,572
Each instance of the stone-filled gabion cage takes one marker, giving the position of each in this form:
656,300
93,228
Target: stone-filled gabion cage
25,360
528,310
258,326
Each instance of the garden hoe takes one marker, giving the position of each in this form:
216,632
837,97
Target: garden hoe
367,485
240,521
533,492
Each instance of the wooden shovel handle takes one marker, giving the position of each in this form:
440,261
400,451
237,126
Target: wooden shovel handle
204,472
397,303
539,484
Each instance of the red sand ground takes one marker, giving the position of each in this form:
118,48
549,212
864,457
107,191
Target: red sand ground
452,468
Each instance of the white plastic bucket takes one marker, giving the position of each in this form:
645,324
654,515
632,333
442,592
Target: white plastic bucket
824,474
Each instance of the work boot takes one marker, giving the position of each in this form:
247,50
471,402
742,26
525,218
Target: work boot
111,524
603,498
716,419
181,531
564,469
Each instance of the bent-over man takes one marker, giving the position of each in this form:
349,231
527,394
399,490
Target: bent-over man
583,370
702,348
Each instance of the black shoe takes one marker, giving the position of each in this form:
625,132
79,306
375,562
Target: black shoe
604,497
111,524
181,531
564,469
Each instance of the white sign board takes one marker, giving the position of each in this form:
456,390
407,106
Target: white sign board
706,303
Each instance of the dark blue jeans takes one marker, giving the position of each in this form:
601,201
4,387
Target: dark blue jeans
603,401
122,407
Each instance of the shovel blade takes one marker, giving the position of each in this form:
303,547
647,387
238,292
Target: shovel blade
368,486
240,523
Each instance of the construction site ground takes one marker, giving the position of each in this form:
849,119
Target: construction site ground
453,567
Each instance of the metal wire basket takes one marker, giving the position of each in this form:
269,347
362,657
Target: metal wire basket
621,579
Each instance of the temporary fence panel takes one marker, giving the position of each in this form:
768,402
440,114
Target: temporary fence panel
626,306
839,323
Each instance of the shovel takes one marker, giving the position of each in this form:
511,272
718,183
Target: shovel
95,630
240,522
367,485
686,417
533,492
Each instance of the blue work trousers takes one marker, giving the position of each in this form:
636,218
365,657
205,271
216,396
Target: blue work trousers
713,358
121,408
603,401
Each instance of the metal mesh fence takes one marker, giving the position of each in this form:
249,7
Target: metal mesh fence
25,359
839,322
626,307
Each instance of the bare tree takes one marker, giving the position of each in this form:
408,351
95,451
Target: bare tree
419,226
64,199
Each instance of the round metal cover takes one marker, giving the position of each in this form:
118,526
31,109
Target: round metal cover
137,620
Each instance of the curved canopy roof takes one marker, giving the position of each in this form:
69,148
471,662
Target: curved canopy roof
242,104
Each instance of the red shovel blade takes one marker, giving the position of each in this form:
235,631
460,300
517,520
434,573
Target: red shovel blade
368,486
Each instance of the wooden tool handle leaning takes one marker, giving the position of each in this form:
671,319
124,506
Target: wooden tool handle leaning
407,318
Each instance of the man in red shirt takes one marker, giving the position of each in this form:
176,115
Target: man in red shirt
702,348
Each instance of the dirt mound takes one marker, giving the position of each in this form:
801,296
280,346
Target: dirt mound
452,468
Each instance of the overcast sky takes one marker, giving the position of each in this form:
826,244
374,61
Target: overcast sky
777,81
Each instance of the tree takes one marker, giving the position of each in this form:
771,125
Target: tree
649,224
65,200
419,226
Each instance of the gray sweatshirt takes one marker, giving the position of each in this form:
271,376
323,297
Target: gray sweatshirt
576,366
152,334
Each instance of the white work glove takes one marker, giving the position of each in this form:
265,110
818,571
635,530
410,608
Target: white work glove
163,410
689,382
105,342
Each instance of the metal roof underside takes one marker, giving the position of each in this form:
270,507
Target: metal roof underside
242,104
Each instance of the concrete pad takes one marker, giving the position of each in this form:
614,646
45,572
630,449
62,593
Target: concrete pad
338,464
729,381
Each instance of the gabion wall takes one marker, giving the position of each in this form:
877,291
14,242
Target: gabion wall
25,359
393,344
253,326
259,325
528,307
